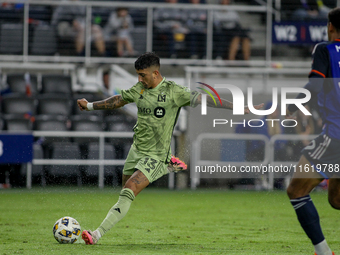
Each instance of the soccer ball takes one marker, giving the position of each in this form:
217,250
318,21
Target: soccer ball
66,230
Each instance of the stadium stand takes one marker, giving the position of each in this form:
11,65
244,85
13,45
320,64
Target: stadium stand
18,122
11,38
109,153
138,38
37,170
87,123
40,17
10,13
52,123
44,41
18,83
15,103
40,14
2,123
120,123
66,172
45,84
56,84
54,104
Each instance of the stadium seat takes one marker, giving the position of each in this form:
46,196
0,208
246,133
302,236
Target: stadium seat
120,127
2,123
52,123
120,123
65,151
87,123
54,104
16,103
11,38
37,170
138,38
109,153
41,13
44,41
56,84
18,122
11,15
17,83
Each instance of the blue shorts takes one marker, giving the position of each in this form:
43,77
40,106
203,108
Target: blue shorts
324,155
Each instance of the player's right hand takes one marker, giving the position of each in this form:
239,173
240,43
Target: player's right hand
82,104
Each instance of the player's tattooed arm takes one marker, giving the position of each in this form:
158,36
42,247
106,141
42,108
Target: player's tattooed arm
106,104
109,103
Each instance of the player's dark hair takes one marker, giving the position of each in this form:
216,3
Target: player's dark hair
147,60
334,18
121,9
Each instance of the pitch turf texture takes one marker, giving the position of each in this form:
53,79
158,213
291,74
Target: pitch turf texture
162,222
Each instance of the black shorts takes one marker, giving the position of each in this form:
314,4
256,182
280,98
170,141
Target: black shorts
324,155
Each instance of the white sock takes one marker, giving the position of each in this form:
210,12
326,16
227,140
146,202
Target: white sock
97,233
322,248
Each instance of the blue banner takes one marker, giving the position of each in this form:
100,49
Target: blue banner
16,148
294,32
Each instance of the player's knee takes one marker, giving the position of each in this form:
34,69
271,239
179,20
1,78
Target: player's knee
294,191
334,202
291,192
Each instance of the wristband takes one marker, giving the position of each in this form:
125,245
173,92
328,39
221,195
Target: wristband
90,106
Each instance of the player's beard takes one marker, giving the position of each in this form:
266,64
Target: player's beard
146,86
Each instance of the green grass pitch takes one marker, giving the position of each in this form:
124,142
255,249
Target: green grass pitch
161,221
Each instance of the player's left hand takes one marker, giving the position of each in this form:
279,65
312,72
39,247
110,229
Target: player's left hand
247,111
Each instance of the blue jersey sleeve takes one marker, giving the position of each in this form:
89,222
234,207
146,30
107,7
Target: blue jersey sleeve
320,64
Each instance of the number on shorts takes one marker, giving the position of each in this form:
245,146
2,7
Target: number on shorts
152,164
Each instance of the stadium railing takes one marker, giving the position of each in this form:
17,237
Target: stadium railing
101,162
82,162
286,137
268,155
25,56
195,154
197,149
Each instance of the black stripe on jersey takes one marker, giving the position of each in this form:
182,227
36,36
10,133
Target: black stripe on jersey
173,127
154,174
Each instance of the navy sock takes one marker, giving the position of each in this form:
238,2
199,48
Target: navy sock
308,218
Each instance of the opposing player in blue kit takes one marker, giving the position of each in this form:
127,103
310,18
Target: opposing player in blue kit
322,156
